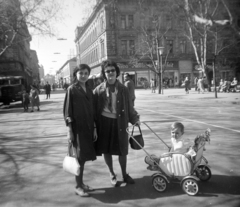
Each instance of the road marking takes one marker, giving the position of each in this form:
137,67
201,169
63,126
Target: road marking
192,120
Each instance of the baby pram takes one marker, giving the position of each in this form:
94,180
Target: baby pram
184,168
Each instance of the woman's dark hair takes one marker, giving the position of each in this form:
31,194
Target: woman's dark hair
78,68
107,63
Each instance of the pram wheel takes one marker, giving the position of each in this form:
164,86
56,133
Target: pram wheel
190,186
203,173
159,183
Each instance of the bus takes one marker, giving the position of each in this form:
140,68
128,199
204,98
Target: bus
11,88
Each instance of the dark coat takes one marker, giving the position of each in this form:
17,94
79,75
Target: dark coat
125,111
78,105
48,88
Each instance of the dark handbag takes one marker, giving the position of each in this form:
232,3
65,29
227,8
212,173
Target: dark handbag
136,140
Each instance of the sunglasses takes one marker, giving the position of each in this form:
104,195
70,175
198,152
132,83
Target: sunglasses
110,71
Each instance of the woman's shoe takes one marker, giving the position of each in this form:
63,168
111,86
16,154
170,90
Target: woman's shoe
113,180
87,188
38,109
32,111
81,192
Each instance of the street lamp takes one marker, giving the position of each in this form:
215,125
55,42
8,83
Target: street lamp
61,38
214,74
160,50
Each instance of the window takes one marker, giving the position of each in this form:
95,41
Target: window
168,21
124,47
127,47
101,23
182,23
182,46
131,47
102,49
123,22
170,46
197,44
130,21
127,21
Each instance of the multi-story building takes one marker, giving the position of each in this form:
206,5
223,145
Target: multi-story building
65,74
34,67
113,31
18,59
41,74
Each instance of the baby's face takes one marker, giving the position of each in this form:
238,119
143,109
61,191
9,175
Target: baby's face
176,133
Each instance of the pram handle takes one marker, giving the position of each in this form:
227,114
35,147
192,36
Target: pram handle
156,134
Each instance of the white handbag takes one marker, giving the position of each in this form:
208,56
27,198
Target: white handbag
70,163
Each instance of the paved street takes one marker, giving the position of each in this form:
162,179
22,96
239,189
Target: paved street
33,145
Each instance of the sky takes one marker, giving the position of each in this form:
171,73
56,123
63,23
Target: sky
46,47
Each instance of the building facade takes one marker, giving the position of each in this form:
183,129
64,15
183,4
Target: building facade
18,59
41,74
113,31
65,74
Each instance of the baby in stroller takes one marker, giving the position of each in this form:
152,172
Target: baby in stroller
182,163
179,144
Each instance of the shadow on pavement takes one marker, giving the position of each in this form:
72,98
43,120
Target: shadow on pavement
142,189
17,107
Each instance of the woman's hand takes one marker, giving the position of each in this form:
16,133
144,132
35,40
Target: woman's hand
138,123
70,135
95,134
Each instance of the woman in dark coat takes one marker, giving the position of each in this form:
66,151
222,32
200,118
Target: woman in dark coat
114,110
79,118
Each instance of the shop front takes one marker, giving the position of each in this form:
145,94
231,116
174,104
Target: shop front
185,70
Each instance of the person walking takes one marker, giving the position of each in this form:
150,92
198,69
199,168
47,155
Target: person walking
130,85
79,117
25,100
200,85
187,85
48,90
114,109
196,83
153,85
34,97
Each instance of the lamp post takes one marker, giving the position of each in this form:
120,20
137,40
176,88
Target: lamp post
160,50
214,74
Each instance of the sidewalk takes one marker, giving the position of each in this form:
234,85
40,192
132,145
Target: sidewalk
179,93
33,146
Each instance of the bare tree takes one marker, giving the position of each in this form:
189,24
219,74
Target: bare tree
200,17
152,33
17,17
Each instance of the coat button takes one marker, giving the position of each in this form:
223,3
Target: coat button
119,115
120,130
122,110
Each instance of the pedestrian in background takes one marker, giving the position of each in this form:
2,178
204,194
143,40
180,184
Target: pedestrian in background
25,100
114,109
200,85
47,90
187,85
130,85
153,85
34,97
196,83
79,117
